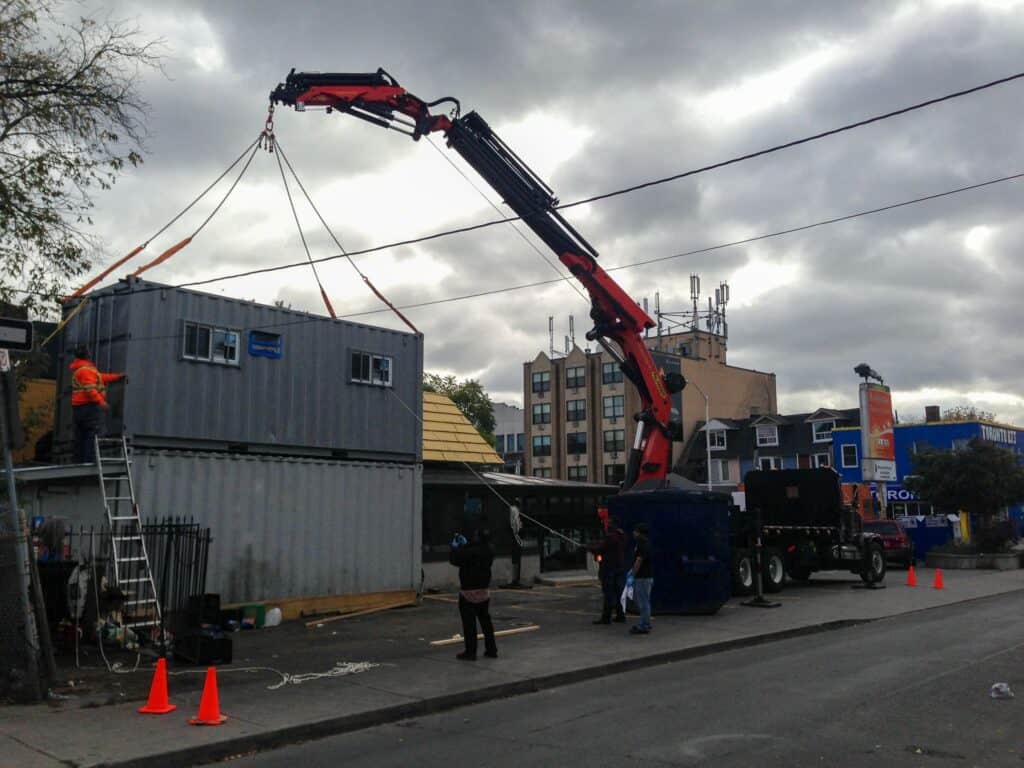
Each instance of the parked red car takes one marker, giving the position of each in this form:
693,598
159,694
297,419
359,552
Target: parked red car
898,546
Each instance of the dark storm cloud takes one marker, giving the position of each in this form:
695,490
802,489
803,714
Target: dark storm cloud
900,289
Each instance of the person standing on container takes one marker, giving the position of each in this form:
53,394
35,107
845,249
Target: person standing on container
88,404
474,560
611,554
643,579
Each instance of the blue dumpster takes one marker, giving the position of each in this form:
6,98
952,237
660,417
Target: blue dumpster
689,533
926,531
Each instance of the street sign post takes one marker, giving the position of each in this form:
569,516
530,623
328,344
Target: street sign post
15,334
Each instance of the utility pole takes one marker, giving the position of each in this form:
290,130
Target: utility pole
8,432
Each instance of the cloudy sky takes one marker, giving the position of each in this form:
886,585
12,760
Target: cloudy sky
600,95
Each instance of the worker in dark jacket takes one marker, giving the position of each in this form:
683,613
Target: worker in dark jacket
88,404
474,560
611,554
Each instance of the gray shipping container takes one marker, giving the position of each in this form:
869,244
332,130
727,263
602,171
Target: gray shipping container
283,527
210,372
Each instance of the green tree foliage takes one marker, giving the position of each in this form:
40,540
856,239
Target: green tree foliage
70,121
470,398
981,479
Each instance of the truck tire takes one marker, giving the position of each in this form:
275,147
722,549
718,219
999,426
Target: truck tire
742,573
874,566
773,570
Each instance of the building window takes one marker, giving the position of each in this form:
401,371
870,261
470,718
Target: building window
542,413
576,410
575,377
542,445
961,444
716,439
719,470
823,431
371,369
578,473
211,344
614,440
542,472
499,442
849,455
767,435
520,442
614,406
611,373
822,460
576,443
542,381
769,462
614,473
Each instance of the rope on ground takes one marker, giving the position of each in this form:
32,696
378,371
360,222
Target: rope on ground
282,155
340,669
514,513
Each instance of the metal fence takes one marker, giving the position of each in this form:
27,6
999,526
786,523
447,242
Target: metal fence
178,550
19,645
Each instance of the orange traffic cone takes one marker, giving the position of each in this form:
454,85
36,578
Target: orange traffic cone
911,577
938,579
209,705
158,703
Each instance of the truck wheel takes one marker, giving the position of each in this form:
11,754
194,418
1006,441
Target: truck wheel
874,570
742,573
774,573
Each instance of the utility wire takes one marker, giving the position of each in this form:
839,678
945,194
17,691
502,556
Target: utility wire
631,265
625,190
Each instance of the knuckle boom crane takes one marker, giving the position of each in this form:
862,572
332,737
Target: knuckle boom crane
378,99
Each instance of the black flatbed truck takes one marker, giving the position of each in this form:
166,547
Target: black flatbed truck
806,527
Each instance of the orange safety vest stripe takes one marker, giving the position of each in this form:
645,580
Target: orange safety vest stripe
97,384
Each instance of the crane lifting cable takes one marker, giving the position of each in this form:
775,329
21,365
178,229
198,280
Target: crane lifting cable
369,284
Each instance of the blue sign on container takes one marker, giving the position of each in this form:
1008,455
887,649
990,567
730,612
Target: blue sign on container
262,344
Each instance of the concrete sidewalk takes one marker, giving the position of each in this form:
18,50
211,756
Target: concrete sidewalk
413,678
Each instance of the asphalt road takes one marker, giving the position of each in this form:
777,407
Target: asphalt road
910,691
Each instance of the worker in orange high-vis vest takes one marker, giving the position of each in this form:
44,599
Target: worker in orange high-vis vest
88,404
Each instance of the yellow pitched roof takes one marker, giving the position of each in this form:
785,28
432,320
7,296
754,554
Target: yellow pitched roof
448,435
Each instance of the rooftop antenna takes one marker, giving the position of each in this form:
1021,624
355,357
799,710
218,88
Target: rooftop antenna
572,329
657,309
551,334
694,296
647,331
567,347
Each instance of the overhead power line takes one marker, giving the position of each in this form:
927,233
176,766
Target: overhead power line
631,265
624,190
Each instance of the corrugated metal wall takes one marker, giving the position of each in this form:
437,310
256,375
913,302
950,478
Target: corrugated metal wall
305,400
282,527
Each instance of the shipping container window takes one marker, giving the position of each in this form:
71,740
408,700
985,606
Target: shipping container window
210,344
611,373
373,369
578,473
849,455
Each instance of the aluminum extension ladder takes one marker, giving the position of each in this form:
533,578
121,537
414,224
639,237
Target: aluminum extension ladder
132,572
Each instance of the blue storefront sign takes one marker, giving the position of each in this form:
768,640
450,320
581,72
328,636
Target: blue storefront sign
262,344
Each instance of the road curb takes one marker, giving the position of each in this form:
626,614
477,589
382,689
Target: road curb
209,753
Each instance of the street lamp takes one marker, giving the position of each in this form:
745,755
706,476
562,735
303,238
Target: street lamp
707,425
